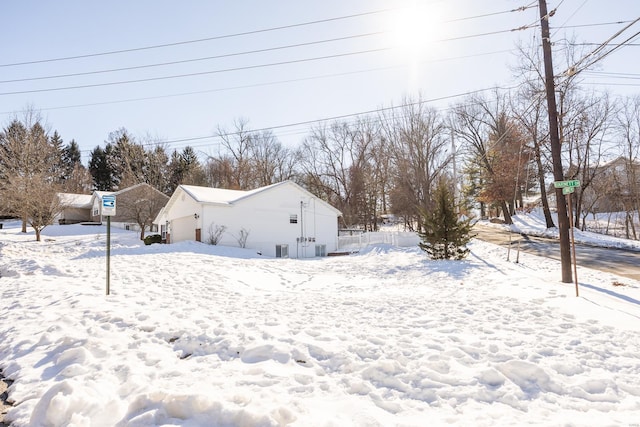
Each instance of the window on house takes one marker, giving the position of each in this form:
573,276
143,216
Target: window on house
321,250
293,219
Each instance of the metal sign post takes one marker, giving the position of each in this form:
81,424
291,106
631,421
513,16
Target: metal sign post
108,253
108,210
567,192
569,187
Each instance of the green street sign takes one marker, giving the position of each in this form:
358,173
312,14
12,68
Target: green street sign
564,184
568,190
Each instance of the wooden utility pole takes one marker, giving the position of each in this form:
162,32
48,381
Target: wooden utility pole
558,173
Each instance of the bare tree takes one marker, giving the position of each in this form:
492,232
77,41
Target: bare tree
336,164
237,148
140,204
588,128
418,140
36,198
270,161
529,109
476,122
249,159
27,161
79,181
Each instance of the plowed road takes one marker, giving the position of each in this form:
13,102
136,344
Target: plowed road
619,261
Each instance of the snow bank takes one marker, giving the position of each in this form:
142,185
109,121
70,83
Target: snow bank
196,335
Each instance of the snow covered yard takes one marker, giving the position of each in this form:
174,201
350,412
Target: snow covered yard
199,335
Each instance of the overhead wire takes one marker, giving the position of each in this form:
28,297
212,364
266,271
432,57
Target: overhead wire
185,61
201,73
222,89
184,42
319,121
248,67
280,126
238,54
594,56
245,33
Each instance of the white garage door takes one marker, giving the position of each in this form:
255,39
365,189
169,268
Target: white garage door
183,229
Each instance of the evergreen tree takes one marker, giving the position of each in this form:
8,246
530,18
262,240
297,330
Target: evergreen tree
100,171
444,235
185,168
158,169
71,158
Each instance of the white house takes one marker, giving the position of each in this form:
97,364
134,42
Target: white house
279,220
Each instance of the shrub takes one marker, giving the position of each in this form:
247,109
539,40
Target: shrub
152,238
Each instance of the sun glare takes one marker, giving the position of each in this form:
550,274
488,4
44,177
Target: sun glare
415,28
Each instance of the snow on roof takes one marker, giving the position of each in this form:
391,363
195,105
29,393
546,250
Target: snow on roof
75,200
220,195
100,194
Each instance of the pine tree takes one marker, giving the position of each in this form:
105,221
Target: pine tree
71,157
100,171
444,235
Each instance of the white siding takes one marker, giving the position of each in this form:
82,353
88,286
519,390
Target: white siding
183,229
264,214
267,218
182,223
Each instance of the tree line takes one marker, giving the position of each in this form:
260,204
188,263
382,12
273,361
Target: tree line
492,148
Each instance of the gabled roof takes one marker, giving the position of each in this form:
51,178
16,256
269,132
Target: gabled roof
81,201
99,194
133,187
221,196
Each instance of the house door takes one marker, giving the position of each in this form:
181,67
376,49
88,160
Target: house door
198,235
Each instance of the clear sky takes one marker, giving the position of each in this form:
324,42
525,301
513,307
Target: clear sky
316,60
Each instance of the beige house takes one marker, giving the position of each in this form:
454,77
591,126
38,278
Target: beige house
76,208
615,187
136,207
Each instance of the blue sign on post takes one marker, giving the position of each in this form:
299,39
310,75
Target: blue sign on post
108,210
108,205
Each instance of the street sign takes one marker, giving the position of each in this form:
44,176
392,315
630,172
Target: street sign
564,184
108,205
568,190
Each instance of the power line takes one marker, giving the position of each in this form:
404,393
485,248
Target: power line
599,24
262,84
604,74
318,121
266,50
228,55
578,66
245,33
175,76
184,42
202,73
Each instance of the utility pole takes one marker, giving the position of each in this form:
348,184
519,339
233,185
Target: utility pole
558,173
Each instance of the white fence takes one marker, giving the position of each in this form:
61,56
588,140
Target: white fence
397,238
